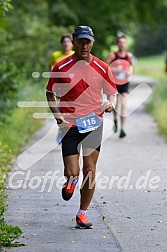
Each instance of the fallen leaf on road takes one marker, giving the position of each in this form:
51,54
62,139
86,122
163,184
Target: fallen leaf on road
104,216
146,191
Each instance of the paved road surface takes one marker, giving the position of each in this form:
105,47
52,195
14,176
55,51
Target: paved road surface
135,219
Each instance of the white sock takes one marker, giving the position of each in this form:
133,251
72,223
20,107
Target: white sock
81,211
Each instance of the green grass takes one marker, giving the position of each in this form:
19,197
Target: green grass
14,133
151,66
8,233
19,126
154,66
158,106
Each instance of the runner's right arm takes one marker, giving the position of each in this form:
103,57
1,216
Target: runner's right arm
53,107
110,58
51,90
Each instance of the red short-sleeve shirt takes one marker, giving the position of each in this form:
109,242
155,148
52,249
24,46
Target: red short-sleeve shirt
80,86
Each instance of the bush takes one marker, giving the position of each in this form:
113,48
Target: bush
8,233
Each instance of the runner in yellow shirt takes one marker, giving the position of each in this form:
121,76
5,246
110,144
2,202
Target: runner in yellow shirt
66,43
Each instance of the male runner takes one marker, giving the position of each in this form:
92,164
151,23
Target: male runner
122,88
81,77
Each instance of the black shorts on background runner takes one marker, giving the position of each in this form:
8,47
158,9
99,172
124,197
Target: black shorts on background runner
123,88
71,140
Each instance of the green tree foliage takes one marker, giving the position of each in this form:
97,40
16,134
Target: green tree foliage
8,70
60,13
106,17
150,40
31,30
26,42
5,5
32,40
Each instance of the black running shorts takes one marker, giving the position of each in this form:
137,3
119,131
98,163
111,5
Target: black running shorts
123,88
72,140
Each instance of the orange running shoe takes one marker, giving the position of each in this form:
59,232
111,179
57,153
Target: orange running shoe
68,190
83,222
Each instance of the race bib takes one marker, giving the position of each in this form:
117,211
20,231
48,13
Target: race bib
121,75
88,123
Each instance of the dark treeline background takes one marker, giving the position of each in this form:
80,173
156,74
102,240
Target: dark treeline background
31,30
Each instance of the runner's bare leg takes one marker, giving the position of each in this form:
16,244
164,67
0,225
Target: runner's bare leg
71,166
124,97
89,167
116,109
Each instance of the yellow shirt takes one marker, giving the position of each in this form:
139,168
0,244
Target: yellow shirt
58,56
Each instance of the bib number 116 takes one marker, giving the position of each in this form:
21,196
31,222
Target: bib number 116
89,122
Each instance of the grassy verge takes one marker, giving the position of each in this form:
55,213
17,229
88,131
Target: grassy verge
14,133
158,106
151,66
154,66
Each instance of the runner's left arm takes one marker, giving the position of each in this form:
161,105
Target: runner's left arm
110,90
109,105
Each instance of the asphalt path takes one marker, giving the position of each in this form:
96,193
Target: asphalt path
128,210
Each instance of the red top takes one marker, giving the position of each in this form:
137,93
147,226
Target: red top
123,75
126,57
80,85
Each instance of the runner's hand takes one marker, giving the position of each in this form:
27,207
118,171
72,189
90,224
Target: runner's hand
60,120
107,107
